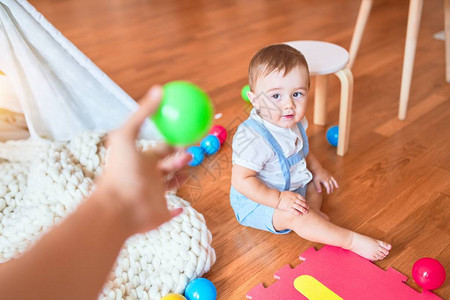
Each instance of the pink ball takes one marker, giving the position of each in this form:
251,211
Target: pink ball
428,273
220,132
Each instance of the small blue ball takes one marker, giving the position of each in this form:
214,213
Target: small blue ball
197,155
210,144
332,135
200,289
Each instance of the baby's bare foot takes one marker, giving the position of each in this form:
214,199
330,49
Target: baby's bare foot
368,247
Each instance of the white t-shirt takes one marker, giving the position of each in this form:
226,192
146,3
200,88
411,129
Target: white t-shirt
253,151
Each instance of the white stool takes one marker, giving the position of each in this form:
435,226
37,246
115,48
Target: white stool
325,58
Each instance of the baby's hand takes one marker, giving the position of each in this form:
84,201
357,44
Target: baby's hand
322,176
293,203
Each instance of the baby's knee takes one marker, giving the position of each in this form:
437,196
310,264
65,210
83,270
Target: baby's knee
287,220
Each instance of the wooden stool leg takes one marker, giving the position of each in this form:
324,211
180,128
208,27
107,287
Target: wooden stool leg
320,100
361,21
412,32
447,38
345,111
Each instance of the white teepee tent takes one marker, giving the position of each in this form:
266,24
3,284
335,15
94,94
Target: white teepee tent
59,90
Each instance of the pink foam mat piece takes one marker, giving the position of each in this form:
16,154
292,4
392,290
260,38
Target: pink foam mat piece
347,274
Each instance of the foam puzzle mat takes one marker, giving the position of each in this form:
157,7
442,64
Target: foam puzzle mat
334,273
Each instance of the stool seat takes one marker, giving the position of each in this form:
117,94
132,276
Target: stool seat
322,57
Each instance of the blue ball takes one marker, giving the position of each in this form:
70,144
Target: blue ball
332,135
197,155
210,144
200,289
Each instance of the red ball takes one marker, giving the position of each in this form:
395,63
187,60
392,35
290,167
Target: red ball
428,273
220,132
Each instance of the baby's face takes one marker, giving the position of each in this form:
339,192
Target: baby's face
279,99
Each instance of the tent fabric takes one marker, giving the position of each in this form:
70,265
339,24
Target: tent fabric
60,91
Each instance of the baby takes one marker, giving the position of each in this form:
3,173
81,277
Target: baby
273,167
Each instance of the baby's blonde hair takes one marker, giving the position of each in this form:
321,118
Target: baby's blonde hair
277,57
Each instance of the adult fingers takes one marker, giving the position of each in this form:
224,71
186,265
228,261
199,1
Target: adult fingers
160,151
148,105
177,181
172,214
175,162
175,212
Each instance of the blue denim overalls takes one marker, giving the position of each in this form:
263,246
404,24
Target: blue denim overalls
252,214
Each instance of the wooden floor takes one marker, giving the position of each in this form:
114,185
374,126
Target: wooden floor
395,179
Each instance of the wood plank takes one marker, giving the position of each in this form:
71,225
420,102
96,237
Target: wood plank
394,125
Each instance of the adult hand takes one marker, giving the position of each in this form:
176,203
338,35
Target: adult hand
137,180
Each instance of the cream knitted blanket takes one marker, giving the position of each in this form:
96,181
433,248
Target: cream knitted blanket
42,182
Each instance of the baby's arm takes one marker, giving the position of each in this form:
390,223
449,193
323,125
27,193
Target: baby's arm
245,181
320,175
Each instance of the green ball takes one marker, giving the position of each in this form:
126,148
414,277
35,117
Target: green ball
185,114
244,91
